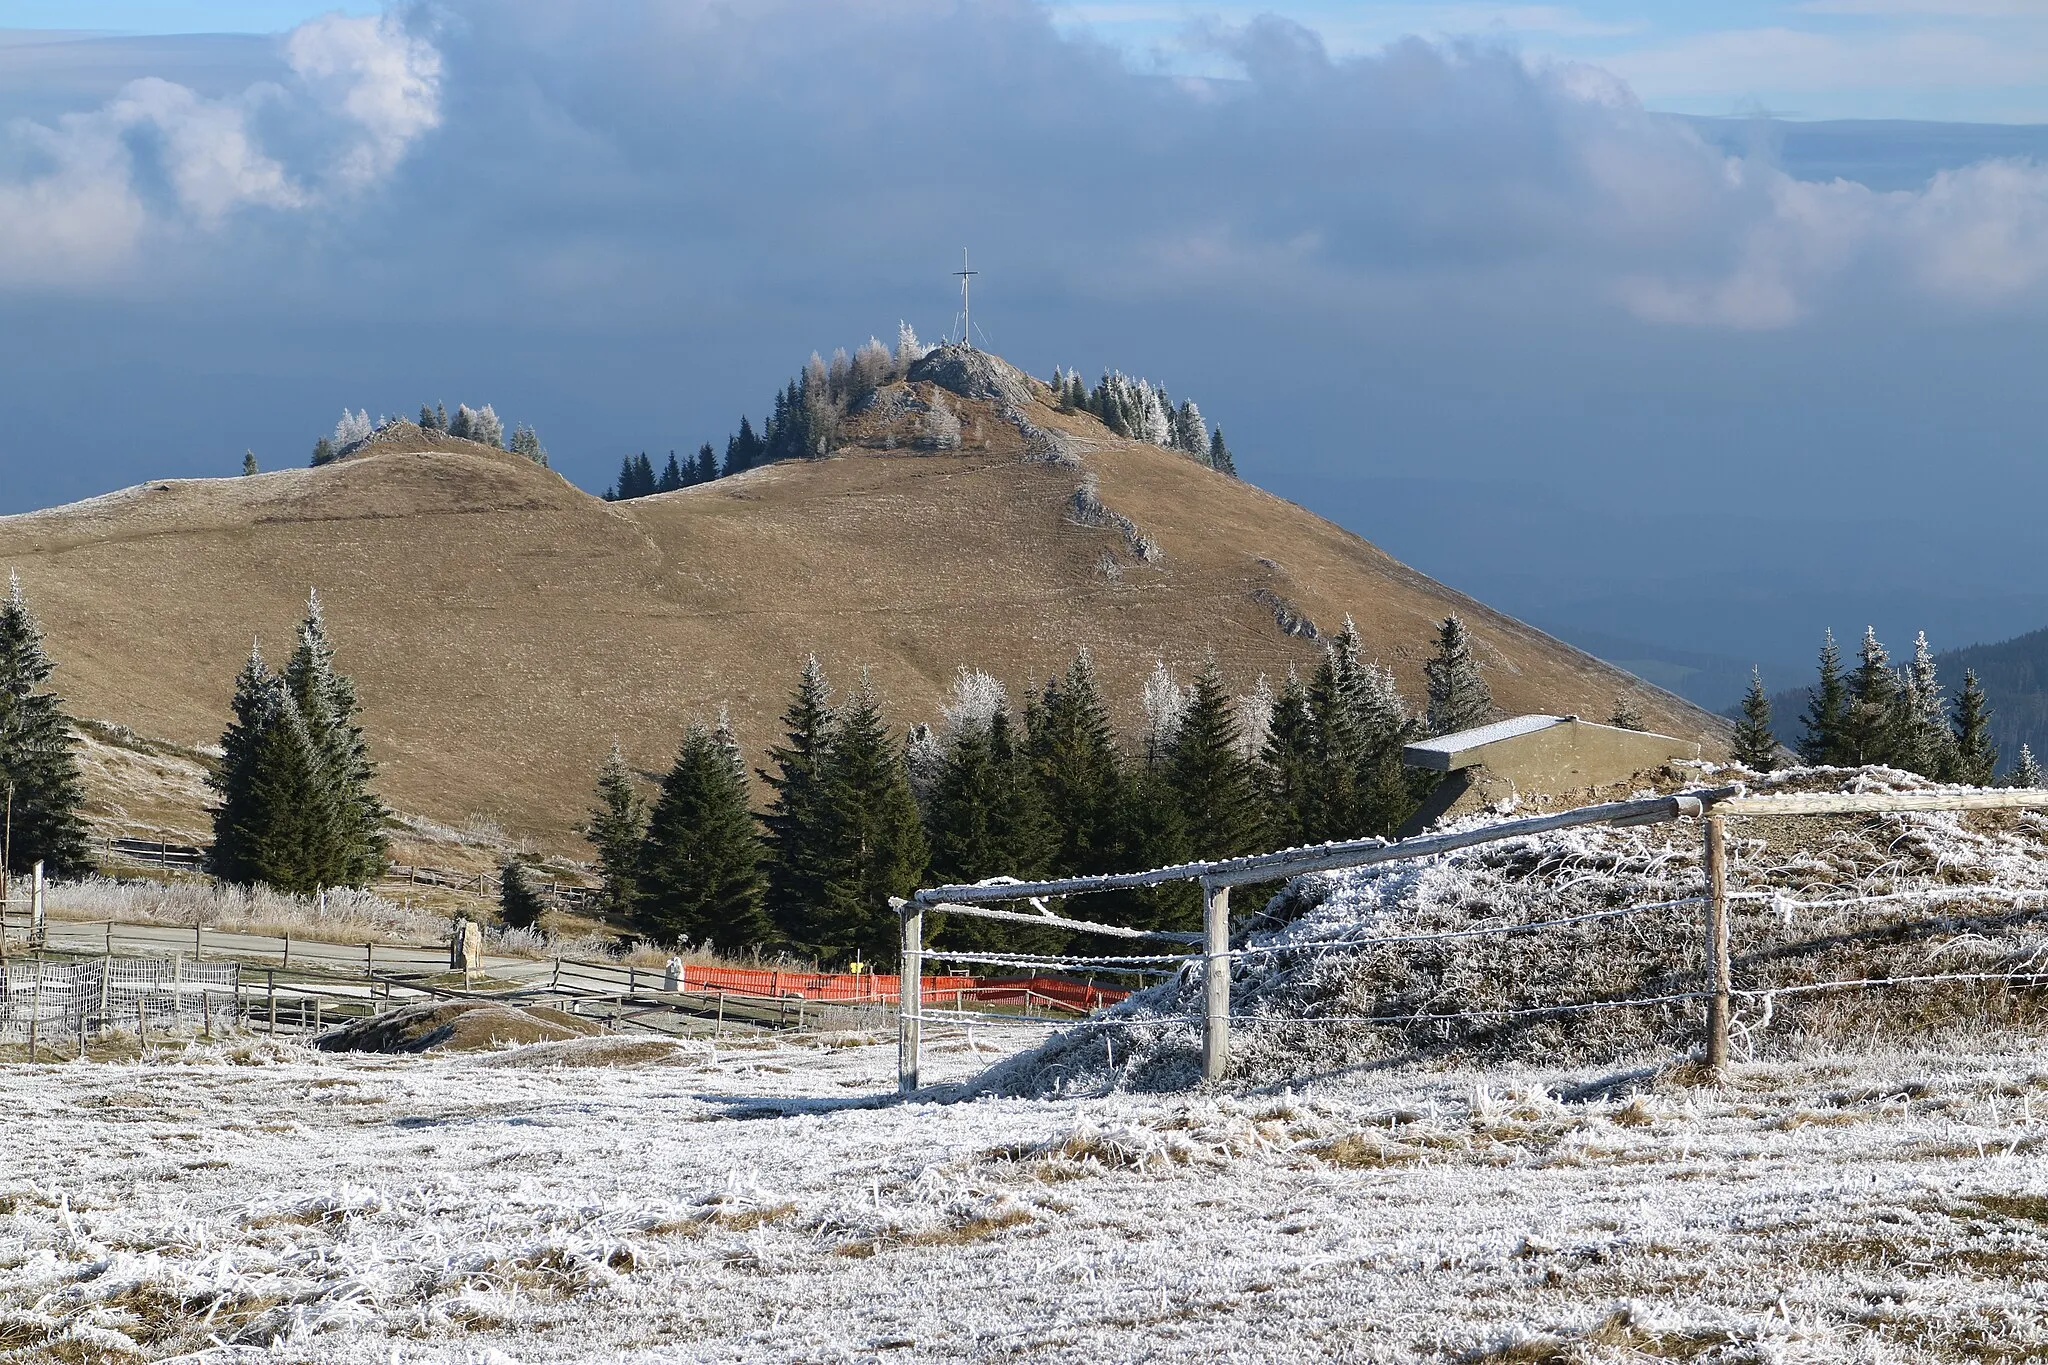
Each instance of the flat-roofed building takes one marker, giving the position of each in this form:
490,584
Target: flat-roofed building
1527,755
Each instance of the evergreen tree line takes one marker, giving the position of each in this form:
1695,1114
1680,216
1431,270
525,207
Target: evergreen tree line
481,425
1876,713
1135,409
294,807
41,792
856,814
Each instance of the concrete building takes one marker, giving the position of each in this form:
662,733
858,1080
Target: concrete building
1551,755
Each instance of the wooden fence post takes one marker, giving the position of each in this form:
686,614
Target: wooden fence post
1215,981
270,990
1719,980
35,1006
198,943
910,999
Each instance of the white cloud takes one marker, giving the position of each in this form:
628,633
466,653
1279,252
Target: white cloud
159,158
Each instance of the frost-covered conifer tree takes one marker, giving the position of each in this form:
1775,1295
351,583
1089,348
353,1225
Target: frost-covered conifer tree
1458,696
39,778
1826,722
615,827
909,350
1871,730
1925,744
352,430
326,703
460,424
868,372
1255,719
485,428
1976,755
1190,432
1756,745
248,463
526,442
1165,702
2026,772
700,863
323,452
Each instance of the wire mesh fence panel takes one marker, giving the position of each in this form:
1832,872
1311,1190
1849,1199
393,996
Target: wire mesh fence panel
58,999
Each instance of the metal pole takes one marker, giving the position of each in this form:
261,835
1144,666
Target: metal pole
1719,980
910,1000
1215,981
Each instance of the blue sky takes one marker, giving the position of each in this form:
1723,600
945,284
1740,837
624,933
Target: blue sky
1471,280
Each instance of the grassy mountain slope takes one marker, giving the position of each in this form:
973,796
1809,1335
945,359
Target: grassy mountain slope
503,627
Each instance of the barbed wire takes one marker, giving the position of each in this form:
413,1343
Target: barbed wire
1778,900
1808,988
1035,960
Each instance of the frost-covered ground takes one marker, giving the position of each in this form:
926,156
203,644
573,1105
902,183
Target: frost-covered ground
619,1199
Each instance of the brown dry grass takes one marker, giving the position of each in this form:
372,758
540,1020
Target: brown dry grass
503,627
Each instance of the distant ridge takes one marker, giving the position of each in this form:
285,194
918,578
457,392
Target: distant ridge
503,626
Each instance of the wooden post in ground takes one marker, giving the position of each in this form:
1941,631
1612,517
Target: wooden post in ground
1215,981
1719,980
910,999
106,987
270,990
205,1014
38,928
110,938
287,948
370,960
198,943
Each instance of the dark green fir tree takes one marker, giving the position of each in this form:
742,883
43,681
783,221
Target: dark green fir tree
39,780
700,865
326,702
1458,696
519,903
798,816
1079,772
1288,768
1976,756
248,463
1871,732
615,827
877,846
1756,744
1211,780
1826,722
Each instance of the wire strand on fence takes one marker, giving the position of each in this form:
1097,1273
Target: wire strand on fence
1811,987
972,1017
1778,900
1029,960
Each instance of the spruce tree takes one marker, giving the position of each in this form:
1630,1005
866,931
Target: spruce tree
707,464
643,476
2025,771
798,817
985,819
427,422
519,904
1209,777
1219,455
1826,722
1385,786
615,827
876,840
1872,732
1925,743
526,442
39,779
1976,757
237,824
623,488
1341,749
440,418
1078,771
248,463
1458,695
700,865
323,452
326,703
1756,746
671,476
1288,768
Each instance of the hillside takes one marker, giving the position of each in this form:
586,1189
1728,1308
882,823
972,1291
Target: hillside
503,626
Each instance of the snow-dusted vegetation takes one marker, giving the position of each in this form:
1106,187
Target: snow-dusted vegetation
614,1199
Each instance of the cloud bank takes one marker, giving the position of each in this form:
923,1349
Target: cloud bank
87,196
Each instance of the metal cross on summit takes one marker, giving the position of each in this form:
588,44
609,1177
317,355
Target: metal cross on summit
966,316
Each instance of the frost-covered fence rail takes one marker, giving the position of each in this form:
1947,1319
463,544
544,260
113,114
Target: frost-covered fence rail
44,1002
1216,879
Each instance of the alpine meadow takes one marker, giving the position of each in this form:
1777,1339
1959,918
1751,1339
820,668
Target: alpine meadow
775,788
